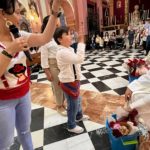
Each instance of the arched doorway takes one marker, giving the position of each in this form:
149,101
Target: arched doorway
69,13
30,15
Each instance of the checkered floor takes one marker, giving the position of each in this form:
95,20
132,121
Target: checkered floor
49,133
101,71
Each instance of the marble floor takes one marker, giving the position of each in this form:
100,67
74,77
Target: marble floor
95,104
104,81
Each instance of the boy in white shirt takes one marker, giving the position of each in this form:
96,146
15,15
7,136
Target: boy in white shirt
66,57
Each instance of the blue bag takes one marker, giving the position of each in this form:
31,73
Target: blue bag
132,78
128,142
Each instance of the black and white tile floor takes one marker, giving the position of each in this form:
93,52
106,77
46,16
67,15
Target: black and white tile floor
49,133
101,71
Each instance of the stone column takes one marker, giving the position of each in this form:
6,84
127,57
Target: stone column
111,10
80,7
126,11
100,13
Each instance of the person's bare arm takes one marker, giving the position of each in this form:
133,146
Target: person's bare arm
17,45
48,74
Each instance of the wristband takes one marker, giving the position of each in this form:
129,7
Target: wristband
7,54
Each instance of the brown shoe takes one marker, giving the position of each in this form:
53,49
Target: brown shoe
62,111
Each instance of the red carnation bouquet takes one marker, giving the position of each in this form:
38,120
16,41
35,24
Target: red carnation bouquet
136,67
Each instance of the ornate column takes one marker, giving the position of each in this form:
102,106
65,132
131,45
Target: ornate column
80,7
126,11
100,13
111,10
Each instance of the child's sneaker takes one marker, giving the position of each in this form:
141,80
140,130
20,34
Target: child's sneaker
84,117
77,130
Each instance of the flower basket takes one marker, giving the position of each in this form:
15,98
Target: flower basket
128,142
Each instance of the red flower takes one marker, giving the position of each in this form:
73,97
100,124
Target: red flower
133,64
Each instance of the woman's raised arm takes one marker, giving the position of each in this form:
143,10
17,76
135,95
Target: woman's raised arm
43,38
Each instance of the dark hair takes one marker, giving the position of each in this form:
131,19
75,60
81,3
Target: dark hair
8,6
59,32
45,21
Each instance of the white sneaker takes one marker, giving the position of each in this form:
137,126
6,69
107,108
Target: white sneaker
85,117
77,130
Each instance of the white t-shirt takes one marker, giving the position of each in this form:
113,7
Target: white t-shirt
48,50
13,72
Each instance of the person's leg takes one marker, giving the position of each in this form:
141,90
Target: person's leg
7,123
59,96
110,45
130,42
23,121
79,113
56,88
144,46
147,45
72,110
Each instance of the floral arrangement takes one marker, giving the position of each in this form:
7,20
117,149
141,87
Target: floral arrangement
126,125
136,67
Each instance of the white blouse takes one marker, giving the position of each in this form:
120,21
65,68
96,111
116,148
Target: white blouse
48,51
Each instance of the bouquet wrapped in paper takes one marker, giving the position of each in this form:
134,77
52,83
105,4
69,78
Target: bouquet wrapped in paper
136,67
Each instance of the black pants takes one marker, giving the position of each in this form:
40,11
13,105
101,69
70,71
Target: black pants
148,45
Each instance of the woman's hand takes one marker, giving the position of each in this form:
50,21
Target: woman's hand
19,44
128,94
48,74
49,77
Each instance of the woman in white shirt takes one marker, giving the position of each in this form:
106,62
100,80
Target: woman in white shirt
49,64
15,100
